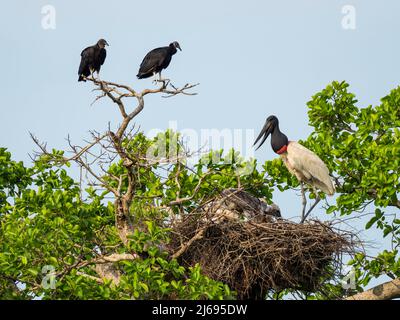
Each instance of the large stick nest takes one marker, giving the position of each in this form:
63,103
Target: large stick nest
243,242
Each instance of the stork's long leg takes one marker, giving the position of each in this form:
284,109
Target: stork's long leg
303,195
317,200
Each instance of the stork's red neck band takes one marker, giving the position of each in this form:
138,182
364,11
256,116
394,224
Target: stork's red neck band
282,150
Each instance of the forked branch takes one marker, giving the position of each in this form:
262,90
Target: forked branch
110,145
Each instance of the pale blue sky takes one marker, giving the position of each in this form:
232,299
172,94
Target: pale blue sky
252,58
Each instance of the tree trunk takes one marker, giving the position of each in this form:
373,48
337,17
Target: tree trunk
385,291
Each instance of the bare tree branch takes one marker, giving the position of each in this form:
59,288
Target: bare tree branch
111,145
184,247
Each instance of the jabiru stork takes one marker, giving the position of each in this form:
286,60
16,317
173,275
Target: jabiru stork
301,162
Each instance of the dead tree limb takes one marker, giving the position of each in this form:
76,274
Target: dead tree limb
123,201
111,144
184,247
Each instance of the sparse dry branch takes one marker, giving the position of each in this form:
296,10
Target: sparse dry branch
184,247
113,146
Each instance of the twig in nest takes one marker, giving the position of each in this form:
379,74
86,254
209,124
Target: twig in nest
183,248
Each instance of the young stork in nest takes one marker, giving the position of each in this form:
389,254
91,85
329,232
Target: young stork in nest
301,162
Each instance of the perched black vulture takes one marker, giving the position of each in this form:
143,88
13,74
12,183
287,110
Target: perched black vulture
157,60
92,58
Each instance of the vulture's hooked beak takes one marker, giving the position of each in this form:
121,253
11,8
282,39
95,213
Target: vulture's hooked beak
265,132
179,47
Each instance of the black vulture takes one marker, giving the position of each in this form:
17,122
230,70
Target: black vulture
92,58
157,60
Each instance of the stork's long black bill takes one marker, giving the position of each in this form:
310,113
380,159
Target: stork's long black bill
265,132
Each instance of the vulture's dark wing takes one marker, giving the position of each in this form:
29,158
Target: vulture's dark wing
86,61
102,56
99,58
153,60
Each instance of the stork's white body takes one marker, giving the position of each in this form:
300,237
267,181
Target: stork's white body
307,167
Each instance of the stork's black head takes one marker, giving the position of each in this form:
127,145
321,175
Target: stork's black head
273,120
278,139
175,45
102,43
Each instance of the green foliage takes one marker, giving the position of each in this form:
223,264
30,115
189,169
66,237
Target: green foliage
14,177
47,223
361,147
46,219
